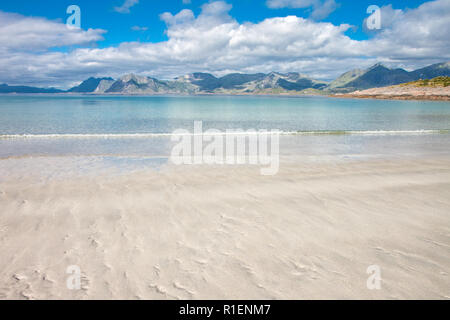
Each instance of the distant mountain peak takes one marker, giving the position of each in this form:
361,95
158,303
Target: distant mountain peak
135,78
89,85
378,65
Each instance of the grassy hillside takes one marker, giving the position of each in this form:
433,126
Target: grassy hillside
435,82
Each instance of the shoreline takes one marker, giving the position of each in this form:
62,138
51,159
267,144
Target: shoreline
392,97
402,92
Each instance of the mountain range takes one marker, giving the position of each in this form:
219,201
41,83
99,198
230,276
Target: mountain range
4,88
237,83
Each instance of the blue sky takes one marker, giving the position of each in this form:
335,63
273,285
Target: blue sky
210,36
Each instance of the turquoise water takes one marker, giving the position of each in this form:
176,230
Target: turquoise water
120,115
119,125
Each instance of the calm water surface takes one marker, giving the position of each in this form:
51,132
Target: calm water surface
399,124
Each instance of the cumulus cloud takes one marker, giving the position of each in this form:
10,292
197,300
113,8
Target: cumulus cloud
320,9
18,32
180,18
215,42
27,44
125,7
413,34
324,9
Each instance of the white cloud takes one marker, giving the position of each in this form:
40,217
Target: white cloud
125,7
186,1
320,8
413,34
215,42
182,17
18,32
324,9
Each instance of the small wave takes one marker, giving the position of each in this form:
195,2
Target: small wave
153,135
371,132
83,135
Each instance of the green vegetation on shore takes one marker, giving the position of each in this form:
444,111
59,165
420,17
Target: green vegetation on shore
435,82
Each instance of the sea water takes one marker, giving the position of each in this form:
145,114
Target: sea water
131,128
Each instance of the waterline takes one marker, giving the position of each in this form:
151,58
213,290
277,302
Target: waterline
154,135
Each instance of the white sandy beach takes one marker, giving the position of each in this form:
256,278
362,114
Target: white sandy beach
188,232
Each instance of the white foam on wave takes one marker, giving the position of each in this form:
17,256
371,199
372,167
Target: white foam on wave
153,135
